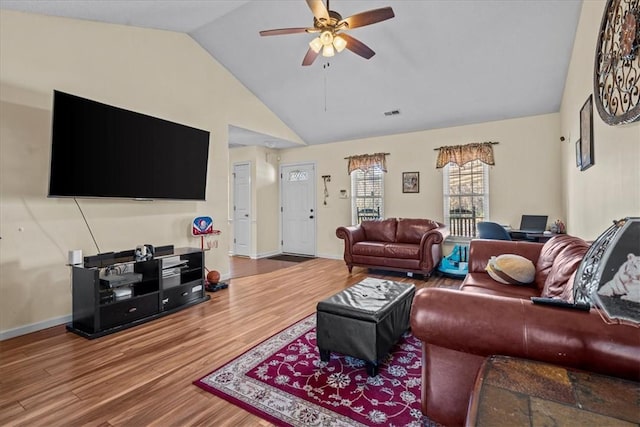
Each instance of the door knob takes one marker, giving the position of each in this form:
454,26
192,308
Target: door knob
310,216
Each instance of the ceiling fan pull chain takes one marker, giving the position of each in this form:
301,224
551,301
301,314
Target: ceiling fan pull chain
325,67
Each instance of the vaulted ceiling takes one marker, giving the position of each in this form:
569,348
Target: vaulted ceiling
439,63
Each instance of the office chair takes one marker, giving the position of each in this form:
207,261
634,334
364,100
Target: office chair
492,230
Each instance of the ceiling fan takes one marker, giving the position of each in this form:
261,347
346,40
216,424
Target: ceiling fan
330,26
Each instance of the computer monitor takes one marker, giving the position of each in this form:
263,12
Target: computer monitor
533,223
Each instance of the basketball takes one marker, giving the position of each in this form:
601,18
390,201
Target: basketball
213,276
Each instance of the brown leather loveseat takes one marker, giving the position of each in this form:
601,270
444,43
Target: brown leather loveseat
397,244
460,328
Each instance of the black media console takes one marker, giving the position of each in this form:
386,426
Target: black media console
113,291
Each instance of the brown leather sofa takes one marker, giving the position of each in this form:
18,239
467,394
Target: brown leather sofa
460,328
396,244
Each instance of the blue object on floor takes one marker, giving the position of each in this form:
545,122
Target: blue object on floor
456,264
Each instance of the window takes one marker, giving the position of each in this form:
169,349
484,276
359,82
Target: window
466,197
367,190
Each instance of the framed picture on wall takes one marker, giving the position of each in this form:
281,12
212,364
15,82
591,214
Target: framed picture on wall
410,182
586,134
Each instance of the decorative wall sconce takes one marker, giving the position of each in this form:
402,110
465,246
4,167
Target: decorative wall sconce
326,178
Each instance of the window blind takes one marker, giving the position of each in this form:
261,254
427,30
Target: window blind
367,194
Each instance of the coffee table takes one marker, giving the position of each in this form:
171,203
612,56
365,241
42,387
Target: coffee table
364,320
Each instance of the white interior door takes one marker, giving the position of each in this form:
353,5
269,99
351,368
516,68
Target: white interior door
242,209
298,212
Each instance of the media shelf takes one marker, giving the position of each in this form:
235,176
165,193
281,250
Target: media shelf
113,291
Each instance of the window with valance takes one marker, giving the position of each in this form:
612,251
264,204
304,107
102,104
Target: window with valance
463,154
367,186
364,162
465,186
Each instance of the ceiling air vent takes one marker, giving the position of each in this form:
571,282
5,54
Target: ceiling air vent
392,113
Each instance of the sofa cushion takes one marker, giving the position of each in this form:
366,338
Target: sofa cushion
549,254
481,283
402,250
511,269
411,230
380,230
369,249
559,281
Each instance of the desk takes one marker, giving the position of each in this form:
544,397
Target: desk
532,237
519,392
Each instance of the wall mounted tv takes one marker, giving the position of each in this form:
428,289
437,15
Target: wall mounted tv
98,150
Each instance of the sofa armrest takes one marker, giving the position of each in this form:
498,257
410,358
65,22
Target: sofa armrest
351,235
481,250
431,247
485,325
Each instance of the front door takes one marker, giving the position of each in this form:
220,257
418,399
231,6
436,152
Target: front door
242,209
298,210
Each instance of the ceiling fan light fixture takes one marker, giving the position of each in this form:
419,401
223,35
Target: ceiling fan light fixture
326,37
328,51
328,26
339,43
316,44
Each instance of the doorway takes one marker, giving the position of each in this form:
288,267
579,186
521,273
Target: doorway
242,209
298,210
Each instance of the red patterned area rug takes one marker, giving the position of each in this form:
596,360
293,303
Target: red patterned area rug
283,381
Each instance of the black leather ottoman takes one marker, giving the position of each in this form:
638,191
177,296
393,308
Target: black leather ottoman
364,321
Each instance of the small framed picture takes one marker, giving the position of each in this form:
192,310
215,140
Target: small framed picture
578,154
410,182
586,134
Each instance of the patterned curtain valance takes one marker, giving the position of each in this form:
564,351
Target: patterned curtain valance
463,154
366,161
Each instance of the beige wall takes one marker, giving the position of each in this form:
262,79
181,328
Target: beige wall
159,73
525,179
611,188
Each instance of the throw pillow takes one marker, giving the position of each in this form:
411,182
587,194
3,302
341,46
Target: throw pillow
511,269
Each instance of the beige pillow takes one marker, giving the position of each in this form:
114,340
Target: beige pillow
511,269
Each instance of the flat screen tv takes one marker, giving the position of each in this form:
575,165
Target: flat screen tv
98,150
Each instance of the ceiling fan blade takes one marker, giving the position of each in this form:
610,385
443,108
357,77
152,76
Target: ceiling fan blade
310,57
281,31
369,17
357,47
318,9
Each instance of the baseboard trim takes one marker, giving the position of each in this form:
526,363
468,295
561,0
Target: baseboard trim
329,256
265,255
34,327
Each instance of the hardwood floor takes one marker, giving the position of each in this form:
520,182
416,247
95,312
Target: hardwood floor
243,266
143,376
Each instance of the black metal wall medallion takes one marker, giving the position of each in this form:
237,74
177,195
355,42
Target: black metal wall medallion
616,72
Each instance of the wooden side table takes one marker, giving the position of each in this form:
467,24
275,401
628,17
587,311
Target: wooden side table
518,392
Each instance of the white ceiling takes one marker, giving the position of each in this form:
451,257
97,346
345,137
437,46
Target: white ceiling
441,63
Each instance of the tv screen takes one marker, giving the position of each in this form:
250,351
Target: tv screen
98,150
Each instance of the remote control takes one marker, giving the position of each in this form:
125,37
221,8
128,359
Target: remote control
560,303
